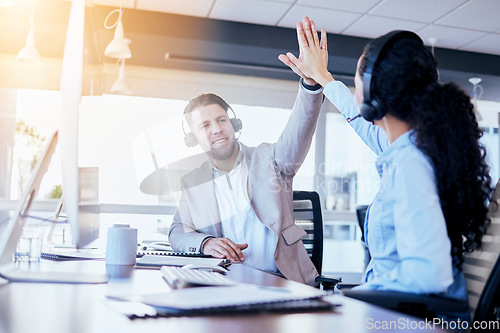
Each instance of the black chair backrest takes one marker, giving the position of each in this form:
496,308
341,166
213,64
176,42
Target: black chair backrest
360,215
307,215
482,267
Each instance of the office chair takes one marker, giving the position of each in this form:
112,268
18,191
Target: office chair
482,272
360,215
483,289
307,215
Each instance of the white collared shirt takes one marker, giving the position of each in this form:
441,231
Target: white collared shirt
239,221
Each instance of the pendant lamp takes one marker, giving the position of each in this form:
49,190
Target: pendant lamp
118,47
121,86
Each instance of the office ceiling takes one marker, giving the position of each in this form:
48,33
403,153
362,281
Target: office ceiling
244,37
469,25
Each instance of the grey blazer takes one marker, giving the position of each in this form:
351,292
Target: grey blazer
271,168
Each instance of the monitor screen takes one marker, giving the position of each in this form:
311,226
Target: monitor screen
84,222
84,226
10,237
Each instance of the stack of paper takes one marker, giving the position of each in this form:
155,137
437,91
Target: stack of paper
240,294
240,298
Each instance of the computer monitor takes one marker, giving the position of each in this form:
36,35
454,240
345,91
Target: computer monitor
10,237
84,222
84,226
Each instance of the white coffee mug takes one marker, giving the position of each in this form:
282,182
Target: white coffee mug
121,246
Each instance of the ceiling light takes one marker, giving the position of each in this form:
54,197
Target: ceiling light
29,52
433,41
121,86
476,95
118,47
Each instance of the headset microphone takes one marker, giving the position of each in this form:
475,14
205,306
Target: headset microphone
351,119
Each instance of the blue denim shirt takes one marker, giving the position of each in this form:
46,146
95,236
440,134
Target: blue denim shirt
405,229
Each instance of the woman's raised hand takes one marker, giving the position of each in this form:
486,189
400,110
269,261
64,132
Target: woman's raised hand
313,58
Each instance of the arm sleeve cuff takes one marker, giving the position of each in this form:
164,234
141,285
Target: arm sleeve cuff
203,243
316,89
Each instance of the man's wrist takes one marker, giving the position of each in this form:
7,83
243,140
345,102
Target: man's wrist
203,242
315,87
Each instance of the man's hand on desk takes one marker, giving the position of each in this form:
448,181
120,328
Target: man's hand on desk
224,248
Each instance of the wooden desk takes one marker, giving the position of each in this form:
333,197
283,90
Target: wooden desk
65,308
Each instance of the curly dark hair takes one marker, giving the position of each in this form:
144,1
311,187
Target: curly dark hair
442,117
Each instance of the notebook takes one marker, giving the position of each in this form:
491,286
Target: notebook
231,299
72,254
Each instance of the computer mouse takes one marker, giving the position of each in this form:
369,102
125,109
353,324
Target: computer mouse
206,267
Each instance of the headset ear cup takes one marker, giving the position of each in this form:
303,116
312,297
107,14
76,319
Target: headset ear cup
374,110
237,125
190,140
367,111
378,108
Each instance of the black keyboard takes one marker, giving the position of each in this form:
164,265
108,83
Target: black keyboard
140,254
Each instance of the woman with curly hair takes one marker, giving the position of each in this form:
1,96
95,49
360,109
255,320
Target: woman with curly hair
434,182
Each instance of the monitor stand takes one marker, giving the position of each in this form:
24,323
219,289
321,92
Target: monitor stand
54,222
12,273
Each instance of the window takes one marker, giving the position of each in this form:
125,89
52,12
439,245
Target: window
488,115
126,136
36,118
123,139
120,140
351,179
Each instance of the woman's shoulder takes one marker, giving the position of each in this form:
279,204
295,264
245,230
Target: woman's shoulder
413,164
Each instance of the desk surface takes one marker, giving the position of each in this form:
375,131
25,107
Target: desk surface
65,308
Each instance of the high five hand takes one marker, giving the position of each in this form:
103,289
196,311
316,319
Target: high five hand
313,58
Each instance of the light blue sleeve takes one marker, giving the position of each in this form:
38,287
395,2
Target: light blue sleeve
341,97
422,242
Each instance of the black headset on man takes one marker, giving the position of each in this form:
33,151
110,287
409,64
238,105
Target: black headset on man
190,139
374,108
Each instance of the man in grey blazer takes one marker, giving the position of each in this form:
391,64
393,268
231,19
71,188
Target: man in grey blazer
238,205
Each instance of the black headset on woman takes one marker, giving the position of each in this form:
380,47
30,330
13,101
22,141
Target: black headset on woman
374,108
